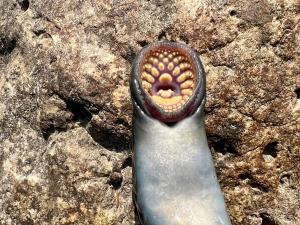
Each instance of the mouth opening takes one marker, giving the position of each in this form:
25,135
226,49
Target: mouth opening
168,75
161,88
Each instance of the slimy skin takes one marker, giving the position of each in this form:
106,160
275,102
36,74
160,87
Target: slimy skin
175,181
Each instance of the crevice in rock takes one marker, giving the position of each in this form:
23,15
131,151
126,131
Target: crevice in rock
109,139
7,45
115,179
162,35
127,162
297,91
245,176
252,182
122,122
24,4
38,32
285,179
142,43
220,45
271,149
75,112
81,114
233,13
52,59
110,130
1,161
185,39
129,55
49,131
255,185
267,220
221,145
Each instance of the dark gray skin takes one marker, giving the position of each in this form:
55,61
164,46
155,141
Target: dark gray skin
175,181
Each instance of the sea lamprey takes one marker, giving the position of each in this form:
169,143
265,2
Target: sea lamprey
175,181
168,77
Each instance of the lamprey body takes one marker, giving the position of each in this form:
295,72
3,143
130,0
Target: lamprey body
175,181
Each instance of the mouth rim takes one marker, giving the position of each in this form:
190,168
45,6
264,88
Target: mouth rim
144,101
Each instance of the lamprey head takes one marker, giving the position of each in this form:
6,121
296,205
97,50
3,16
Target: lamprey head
168,81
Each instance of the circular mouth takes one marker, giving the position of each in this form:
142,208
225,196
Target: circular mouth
168,77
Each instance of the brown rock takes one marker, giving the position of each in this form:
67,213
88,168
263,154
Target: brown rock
65,111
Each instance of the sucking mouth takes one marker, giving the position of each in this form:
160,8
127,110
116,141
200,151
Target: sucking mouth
168,78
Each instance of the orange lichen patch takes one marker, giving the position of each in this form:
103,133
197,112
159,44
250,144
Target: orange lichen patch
168,77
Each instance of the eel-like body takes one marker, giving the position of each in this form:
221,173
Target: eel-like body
175,181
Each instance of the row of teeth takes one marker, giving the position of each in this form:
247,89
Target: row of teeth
176,69
186,84
165,66
174,107
184,79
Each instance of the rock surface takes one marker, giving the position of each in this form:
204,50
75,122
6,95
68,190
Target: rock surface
65,111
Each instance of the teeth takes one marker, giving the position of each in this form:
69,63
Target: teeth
176,71
184,76
185,97
147,66
151,59
155,61
165,78
165,60
154,71
183,66
166,67
147,86
188,92
161,66
167,101
187,84
170,66
165,93
148,77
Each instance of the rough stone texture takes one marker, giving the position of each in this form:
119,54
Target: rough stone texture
65,112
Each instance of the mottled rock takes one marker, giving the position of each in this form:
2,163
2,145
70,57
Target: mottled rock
65,111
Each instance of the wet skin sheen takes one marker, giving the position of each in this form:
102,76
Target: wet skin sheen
174,177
